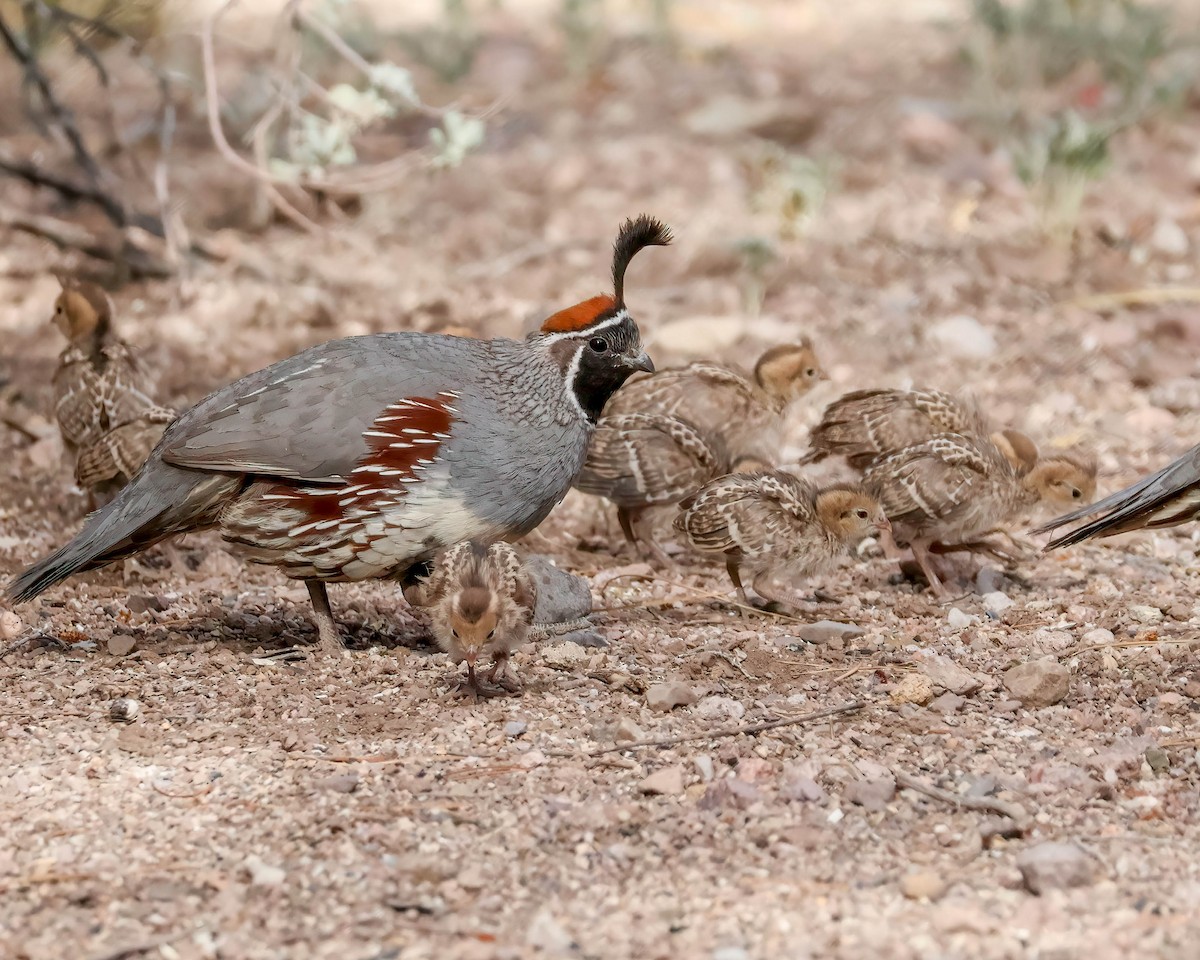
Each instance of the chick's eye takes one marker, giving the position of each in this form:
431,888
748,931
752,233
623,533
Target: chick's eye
491,633
1076,494
598,344
454,633
861,514
810,372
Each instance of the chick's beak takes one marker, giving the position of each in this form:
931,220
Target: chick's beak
640,361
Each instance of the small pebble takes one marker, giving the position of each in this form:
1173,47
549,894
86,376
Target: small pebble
958,619
997,602
1056,866
923,886
667,782
825,631
913,688
667,696
515,728
1038,683
628,732
10,626
124,710
341,783
121,645
1141,613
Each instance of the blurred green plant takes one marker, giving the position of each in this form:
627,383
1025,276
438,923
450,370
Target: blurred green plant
790,187
1057,161
448,48
756,254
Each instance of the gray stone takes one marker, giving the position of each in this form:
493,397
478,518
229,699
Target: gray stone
627,732
667,696
561,596
586,638
1038,683
1056,866
340,783
515,728
959,619
873,794
947,703
823,631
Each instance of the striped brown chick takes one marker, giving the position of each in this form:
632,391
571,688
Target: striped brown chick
954,490
869,425
772,524
480,601
1164,499
107,419
644,460
746,413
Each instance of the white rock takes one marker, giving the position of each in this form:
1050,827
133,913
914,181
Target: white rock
959,619
667,781
720,708
628,732
668,696
1141,613
547,934
947,674
963,337
1169,239
263,874
1038,683
997,602
1056,866
1098,637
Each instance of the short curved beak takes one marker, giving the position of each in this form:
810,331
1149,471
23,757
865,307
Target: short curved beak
642,362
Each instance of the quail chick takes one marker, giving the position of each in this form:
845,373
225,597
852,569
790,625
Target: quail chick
771,523
955,489
868,425
645,460
481,603
746,413
1164,499
108,421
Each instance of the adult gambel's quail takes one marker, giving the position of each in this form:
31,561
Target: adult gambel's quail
481,603
869,425
107,419
644,460
361,458
1164,499
746,413
773,523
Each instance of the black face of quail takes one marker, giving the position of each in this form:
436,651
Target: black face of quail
612,353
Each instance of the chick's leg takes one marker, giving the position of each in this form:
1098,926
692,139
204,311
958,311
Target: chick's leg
920,549
502,673
638,523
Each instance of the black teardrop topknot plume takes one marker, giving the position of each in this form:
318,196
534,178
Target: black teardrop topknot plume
642,231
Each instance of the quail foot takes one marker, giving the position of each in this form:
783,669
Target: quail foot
360,458
955,489
773,524
645,460
480,602
745,413
108,421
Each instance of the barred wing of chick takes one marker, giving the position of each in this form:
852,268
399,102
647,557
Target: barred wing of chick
643,459
748,515
868,425
506,575
1164,499
498,567
117,454
949,487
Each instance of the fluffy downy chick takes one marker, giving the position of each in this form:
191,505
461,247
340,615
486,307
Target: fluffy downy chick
954,490
746,413
1164,499
645,460
771,523
869,425
108,421
481,604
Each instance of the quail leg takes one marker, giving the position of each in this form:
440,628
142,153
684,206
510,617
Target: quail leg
920,549
328,637
642,539
731,566
771,601
472,689
502,674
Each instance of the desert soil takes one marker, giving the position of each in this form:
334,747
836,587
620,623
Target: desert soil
353,808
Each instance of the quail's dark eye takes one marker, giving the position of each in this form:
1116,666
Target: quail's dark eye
1076,494
491,633
454,633
810,372
598,344
861,514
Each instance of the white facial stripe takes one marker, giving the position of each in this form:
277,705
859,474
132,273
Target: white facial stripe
615,320
572,373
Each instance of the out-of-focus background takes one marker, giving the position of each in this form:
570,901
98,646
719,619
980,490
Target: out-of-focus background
1000,196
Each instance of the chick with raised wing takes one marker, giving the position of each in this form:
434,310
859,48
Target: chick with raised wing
869,425
746,413
109,422
480,601
645,460
1164,499
954,490
773,524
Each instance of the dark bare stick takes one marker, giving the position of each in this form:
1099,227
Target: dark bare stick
749,729
1010,810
